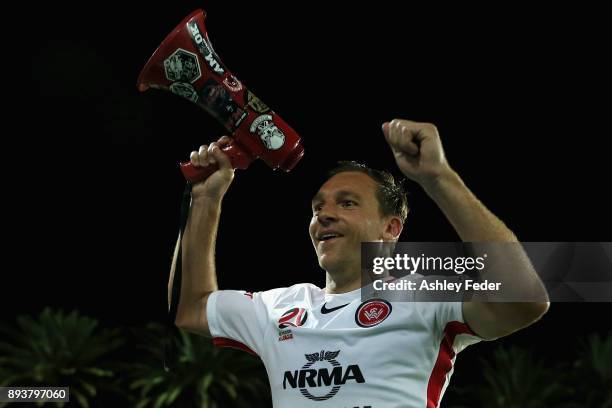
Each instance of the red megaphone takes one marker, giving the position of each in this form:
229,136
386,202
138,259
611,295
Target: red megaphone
186,64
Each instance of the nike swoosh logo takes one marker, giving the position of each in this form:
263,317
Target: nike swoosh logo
325,310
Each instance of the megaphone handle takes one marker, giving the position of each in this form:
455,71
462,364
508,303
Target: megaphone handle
238,157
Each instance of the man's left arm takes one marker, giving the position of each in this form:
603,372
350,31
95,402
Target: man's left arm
419,155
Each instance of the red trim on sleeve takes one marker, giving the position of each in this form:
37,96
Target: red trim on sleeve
224,342
444,361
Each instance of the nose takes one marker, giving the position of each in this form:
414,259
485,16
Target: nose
326,215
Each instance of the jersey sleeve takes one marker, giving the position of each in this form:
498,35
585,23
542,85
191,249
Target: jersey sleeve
450,324
236,319
446,322
442,311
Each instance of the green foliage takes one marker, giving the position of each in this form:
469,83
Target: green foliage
62,350
515,379
205,376
590,376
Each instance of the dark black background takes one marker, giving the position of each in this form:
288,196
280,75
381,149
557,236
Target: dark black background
519,96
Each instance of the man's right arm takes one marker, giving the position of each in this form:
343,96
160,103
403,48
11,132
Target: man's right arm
199,277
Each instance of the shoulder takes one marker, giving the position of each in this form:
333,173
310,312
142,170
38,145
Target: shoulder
290,295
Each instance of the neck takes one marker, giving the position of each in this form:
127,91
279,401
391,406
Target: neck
335,285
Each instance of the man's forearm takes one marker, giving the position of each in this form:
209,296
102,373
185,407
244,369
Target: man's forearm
475,223
198,254
470,218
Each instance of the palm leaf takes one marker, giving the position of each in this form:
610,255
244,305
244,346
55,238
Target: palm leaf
204,376
60,349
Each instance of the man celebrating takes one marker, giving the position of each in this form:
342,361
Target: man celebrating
328,347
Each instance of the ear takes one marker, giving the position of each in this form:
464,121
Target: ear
393,229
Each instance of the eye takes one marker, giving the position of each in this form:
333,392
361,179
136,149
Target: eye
348,203
316,208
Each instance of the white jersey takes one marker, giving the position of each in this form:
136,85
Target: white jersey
324,350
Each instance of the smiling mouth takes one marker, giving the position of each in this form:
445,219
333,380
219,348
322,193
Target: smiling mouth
329,237
326,242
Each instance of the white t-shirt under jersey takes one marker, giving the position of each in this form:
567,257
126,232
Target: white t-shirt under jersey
324,350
